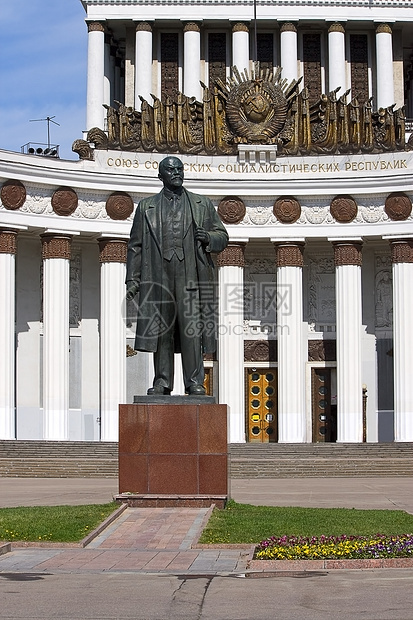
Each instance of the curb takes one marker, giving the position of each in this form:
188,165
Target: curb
112,517
5,548
303,565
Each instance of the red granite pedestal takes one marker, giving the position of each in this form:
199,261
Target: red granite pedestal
173,454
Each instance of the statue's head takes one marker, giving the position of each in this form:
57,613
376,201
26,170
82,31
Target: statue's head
171,173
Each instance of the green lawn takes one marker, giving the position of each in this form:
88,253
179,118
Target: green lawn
238,523
52,523
243,523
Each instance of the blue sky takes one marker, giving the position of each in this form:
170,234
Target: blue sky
43,61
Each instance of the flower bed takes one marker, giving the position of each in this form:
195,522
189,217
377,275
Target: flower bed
335,547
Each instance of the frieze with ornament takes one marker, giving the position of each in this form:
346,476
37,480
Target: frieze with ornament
257,108
314,213
38,200
91,205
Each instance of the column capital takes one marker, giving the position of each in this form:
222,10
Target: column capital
8,241
56,245
240,27
95,26
336,27
383,28
192,27
347,253
401,250
288,27
232,256
112,250
143,27
289,254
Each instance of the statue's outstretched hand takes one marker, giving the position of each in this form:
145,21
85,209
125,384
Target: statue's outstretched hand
131,290
202,236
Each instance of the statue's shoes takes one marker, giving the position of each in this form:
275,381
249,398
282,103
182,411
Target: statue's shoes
158,389
196,390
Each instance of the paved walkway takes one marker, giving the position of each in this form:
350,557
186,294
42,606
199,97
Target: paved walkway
151,540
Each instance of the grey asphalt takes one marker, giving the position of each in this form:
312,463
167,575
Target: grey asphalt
342,595
362,493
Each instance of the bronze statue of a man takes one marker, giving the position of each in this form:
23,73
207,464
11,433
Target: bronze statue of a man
170,270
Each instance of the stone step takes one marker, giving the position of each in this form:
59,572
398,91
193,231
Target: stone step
58,468
69,449
51,459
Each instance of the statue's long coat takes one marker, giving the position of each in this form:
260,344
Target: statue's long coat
145,263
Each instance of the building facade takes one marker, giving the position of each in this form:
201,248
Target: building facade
297,126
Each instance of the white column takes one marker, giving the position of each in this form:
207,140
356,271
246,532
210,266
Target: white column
119,96
143,63
192,61
112,71
289,52
347,257
231,338
7,333
240,47
112,335
402,259
56,279
107,72
336,59
384,66
291,376
95,112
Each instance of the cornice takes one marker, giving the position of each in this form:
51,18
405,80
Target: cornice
280,3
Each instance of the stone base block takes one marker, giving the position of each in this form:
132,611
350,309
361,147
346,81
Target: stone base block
171,501
173,450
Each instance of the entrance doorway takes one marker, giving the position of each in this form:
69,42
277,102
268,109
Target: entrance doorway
261,392
208,381
324,412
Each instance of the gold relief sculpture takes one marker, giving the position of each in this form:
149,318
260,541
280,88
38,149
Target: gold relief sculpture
255,109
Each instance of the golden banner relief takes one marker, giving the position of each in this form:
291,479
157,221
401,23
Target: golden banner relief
260,109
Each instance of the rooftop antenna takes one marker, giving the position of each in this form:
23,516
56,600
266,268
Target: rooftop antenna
49,120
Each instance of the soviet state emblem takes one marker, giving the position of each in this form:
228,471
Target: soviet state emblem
256,111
